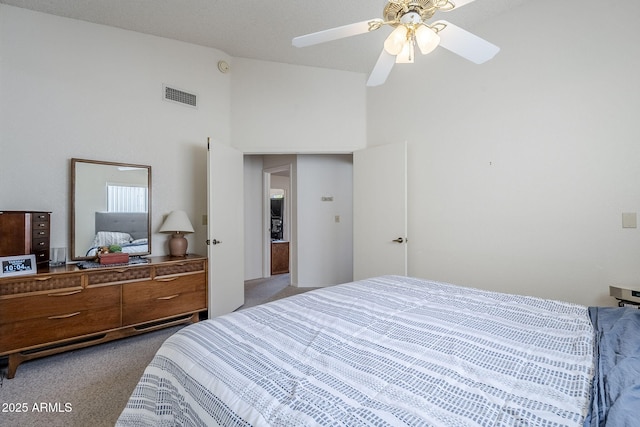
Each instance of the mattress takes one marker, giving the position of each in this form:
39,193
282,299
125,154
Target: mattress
386,351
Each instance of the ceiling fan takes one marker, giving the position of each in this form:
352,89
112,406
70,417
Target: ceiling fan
408,17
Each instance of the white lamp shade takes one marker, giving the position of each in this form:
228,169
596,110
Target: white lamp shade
396,40
177,222
426,39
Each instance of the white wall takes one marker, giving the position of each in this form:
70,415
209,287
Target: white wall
74,89
253,222
281,108
520,168
325,247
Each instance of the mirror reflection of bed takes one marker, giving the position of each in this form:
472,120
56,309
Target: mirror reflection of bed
125,229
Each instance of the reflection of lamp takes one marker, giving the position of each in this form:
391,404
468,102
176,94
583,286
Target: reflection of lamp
177,223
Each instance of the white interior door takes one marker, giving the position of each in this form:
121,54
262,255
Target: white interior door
380,211
225,228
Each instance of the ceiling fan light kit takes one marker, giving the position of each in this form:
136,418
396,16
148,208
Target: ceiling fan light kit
402,41
396,40
426,39
410,29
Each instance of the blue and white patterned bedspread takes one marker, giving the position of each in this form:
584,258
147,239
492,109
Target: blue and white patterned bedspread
386,351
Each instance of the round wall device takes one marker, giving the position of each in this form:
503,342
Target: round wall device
223,66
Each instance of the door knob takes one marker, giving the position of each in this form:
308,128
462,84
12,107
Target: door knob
398,240
215,242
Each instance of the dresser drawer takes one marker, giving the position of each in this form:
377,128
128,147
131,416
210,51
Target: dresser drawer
119,275
180,268
41,256
39,233
39,225
37,320
40,284
40,244
38,217
163,297
53,328
58,302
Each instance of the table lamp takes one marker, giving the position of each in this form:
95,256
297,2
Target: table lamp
177,223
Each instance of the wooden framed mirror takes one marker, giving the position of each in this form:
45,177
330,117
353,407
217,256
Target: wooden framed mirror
110,204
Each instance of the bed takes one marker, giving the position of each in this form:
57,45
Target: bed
392,351
129,230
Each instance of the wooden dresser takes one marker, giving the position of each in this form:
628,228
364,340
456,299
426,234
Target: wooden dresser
67,308
23,233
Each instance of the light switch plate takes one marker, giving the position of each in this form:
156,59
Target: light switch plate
629,220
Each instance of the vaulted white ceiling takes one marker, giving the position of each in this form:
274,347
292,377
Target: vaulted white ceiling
259,29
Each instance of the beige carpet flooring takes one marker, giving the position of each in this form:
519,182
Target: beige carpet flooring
264,290
91,386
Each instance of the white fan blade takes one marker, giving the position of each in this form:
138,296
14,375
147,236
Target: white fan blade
382,69
336,33
465,44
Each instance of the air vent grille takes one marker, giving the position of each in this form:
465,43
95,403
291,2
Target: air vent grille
180,96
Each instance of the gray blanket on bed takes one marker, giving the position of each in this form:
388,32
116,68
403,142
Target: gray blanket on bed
616,386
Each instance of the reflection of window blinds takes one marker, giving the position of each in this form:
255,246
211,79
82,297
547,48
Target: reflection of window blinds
122,198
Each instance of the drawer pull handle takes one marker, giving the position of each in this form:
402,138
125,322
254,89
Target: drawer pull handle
42,279
168,279
169,297
64,294
64,316
122,270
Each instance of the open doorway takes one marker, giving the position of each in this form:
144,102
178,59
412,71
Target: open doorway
316,216
277,216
